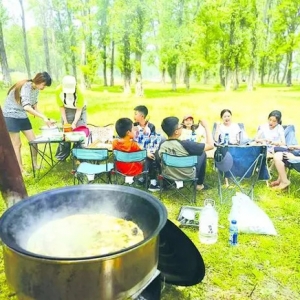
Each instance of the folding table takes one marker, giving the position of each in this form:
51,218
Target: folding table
45,154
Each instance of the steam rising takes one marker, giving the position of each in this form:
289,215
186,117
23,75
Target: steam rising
35,216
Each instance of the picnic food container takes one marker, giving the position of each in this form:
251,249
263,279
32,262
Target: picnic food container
67,128
75,136
49,131
118,275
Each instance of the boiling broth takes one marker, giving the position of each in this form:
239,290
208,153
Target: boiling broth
84,235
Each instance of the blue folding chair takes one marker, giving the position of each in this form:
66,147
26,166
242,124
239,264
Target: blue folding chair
243,166
89,165
290,135
130,159
174,170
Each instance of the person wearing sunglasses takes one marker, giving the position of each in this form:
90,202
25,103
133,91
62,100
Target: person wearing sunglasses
174,146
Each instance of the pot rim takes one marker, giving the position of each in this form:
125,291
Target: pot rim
107,187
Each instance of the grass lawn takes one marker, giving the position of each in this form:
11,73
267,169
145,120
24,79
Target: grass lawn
260,267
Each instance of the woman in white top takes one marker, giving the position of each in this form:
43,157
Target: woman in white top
227,126
271,133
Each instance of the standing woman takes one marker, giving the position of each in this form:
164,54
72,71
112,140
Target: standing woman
22,99
71,102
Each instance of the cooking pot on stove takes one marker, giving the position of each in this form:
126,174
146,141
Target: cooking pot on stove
113,276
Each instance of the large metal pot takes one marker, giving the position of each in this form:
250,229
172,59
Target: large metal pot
115,276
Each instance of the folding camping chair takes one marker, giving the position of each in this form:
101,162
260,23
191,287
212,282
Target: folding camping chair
129,160
243,166
174,176
91,165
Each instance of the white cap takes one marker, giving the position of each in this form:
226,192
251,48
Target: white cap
69,84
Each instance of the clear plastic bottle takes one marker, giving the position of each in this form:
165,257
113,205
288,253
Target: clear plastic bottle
233,233
208,224
158,139
194,136
226,139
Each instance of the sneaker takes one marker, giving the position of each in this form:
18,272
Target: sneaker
141,181
154,188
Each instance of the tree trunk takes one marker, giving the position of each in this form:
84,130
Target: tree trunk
46,47
173,79
65,46
289,72
73,44
284,72
228,77
163,76
139,92
250,84
221,75
112,63
205,76
126,64
104,65
11,182
4,64
235,79
262,71
84,81
187,76
172,70
27,61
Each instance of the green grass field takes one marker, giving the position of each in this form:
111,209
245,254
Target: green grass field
261,267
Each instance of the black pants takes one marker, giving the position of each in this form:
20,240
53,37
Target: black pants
201,168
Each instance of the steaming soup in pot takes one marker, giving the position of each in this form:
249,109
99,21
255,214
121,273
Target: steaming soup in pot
83,235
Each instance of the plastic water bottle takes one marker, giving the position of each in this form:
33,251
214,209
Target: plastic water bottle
158,139
141,137
226,139
146,141
194,137
233,233
152,140
208,224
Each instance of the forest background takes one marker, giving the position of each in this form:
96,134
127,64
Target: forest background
223,42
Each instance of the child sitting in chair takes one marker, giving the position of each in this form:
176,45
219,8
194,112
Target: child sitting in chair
125,143
189,128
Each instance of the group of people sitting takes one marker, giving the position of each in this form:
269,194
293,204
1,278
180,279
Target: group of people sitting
184,137
189,138
172,127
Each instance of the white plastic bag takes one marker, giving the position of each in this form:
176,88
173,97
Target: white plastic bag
249,216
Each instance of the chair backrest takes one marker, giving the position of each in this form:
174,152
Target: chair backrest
130,156
290,135
179,161
90,154
179,167
101,133
247,160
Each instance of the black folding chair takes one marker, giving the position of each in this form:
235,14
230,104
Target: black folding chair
174,176
243,166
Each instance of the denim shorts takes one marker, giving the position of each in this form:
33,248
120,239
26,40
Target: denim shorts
17,125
